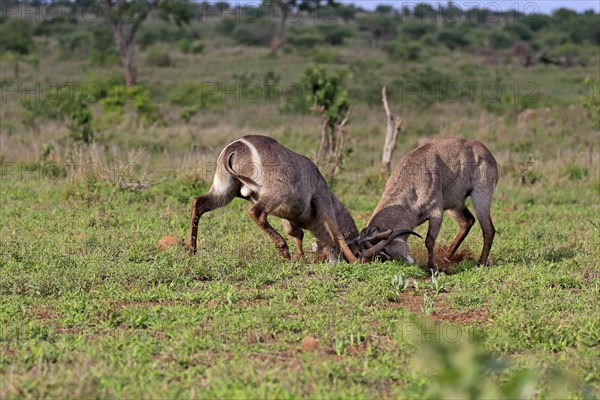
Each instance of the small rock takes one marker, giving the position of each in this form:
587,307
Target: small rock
309,343
166,242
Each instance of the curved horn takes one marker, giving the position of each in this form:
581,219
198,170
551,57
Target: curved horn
367,254
382,235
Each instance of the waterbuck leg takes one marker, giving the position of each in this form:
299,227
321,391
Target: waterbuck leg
298,235
201,205
482,201
465,221
260,217
435,224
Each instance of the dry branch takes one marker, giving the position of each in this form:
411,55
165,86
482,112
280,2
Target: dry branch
393,127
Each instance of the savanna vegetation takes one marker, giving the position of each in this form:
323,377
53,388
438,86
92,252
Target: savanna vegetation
95,169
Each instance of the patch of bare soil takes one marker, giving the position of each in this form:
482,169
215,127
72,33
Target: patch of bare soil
45,313
442,261
442,310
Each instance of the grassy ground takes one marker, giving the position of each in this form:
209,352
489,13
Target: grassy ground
91,309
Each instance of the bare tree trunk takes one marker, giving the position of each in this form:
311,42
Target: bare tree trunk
393,127
127,61
123,42
277,40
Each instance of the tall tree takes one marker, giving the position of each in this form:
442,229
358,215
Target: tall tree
125,18
286,7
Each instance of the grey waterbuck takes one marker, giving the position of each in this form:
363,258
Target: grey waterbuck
282,183
437,176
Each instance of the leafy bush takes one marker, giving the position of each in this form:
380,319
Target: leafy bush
158,31
327,91
501,40
184,45
76,43
258,33
574,172
157,57
120,96
188,46
304,39
453,38
591,100
380,26
16,36
334,35
71,107
103,50
59,25
518,30
402,51
417,29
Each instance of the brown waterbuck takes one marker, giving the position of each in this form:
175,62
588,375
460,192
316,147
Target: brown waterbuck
282,183
437,176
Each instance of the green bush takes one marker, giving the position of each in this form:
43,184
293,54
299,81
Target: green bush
417,29
591,100
76,43
197,47
402,51
158,31
576,173
380,26
60,25
327,91
453,38
258,33
103,49
195,94
518,30
188,46
334,35
184,45
304,39
157,57
501,40
16,36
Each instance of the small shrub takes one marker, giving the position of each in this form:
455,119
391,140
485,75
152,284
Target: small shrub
334,35
258,33
157,57
59,25
501,40
453,38
308,39
197,47
16,35
75,43
402,51
417,29
591,100
574,172
184,45
519,30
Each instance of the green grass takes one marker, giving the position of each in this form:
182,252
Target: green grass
90,307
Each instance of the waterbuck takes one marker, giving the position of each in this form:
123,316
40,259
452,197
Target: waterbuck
282,183
437,176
